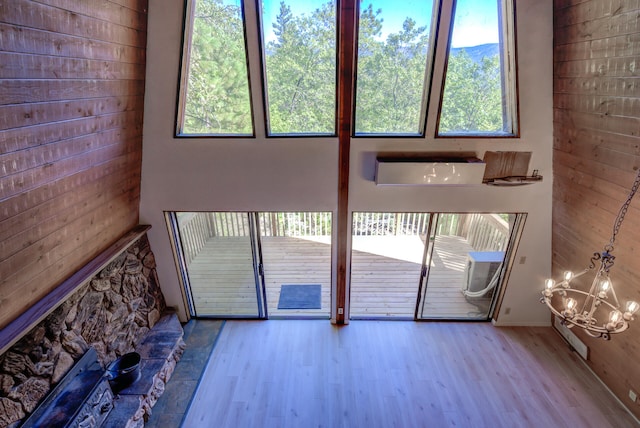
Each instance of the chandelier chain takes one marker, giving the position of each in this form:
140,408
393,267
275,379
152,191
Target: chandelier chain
623,211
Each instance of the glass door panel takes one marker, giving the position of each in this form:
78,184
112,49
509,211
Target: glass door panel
219,251
387,253
296,253
466,258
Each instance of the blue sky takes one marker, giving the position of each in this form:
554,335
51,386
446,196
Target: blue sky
476,20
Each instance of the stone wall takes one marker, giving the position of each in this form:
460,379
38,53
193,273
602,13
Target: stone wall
112,312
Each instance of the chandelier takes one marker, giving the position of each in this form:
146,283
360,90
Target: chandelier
588,309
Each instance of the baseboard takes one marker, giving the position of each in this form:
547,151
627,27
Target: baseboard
611,392
520,324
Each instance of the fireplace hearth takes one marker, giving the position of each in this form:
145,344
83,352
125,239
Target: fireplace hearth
83,398
114,307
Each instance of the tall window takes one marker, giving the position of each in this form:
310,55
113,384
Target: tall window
300,63
478,87
394,48
400,65
215,87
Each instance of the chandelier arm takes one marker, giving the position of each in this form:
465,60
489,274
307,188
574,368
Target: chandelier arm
592,296
594,259
623,211
581,320
615,298
582,272
575,290
592,310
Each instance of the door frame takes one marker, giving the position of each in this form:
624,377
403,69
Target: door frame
515,233
256,262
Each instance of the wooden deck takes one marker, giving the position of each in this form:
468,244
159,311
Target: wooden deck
385,272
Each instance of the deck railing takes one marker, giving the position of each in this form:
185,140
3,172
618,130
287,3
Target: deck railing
195,230
377,224
484,232
295,224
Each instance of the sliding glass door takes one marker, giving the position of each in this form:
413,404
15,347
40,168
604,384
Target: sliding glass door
387,257
222,261
255,265
296,248
429,265
403,265
467,255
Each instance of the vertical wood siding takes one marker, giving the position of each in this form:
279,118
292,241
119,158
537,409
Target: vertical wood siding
71,104
596,156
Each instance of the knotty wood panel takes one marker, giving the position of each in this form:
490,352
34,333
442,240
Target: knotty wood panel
23,218
32,91
31,41
123,13
18,115
44,135
30,14
50,67
71,109
596,156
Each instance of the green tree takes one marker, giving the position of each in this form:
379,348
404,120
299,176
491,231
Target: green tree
281,26
472,99
301,77
217,97
390,81
301,72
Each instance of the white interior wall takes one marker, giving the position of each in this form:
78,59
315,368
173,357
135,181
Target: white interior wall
302,175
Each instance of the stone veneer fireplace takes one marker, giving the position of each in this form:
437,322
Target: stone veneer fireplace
112,312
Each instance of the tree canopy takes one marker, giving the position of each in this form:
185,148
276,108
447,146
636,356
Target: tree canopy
217,93
300,63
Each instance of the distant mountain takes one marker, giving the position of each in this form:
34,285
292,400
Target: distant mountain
476,53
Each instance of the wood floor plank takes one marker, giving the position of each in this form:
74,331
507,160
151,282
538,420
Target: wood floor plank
385,272
303,373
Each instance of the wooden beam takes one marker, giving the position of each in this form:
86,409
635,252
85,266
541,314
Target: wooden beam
347,15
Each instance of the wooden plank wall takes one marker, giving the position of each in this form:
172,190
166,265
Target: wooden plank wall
71,103
596,156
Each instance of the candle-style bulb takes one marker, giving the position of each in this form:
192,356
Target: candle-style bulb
615,317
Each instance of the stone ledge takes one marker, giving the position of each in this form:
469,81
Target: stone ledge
112,312
160,351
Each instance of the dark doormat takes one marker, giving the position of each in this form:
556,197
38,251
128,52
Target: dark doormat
300,296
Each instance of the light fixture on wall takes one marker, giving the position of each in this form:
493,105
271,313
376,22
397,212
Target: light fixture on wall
597,311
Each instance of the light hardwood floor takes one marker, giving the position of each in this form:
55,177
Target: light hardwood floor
308,373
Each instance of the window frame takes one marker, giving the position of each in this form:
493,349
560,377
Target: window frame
265,89
508,49
183,76
434,79
427,88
